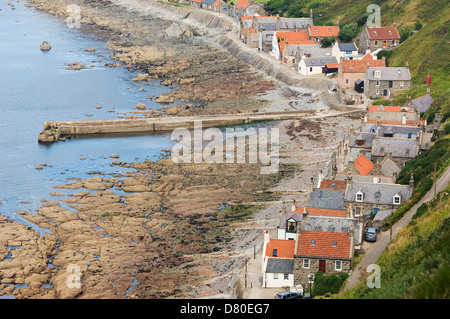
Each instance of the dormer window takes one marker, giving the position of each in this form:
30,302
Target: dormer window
331,229
313,242
360,142
375,31
377,195
377,73
359,196
397,199
320,194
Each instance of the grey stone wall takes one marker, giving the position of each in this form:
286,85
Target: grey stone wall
301,274
371,87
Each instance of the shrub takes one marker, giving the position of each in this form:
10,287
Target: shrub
325,284
418,25
348,32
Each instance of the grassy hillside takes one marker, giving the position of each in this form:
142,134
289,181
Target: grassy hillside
415,264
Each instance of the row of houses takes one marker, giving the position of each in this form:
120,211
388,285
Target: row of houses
323,234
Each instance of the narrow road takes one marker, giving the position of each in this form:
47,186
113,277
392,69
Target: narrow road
377,248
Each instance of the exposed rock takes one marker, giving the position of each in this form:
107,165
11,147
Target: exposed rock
76,66
140,106
90,49
45,46
164,99
177,30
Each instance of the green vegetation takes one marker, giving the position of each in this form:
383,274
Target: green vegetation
328,284
415,264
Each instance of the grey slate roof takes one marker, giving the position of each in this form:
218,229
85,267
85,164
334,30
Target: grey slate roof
367,137
267,26
377,193
208,2
316,51
297,216
352,154
335,224
280,266
389,73
389,168
400,131
388,179
292,49
320,61
398,147
347,47
422,103
327,198
293,23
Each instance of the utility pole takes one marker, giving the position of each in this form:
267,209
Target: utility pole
434,179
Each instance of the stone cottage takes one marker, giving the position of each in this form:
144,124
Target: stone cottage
385,82
386,38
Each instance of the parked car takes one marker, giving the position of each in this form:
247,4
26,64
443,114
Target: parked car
288,295
371,234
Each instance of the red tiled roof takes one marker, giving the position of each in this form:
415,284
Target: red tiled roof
389,109
363,165
199,1
243,18
332,65
367,57
242,4
285,248
383,33
409,123
320,211
328,183
299,37
359,66
324,31
215,4
323,244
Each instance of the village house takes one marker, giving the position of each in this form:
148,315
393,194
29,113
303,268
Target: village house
401,150
372,197
281,39
386,81
278,262
352,70
386,38
394,115
214,5
196,3
348,51
292,218
318,33
422,103
239,8
328,252
316,65
385,179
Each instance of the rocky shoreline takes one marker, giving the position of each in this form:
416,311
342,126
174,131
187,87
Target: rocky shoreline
163,230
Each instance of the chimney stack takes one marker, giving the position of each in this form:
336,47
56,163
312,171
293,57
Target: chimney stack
407,64
310,13
428,92
294,207
352,242
352,129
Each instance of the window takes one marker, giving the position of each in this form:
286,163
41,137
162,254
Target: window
348,52
338,265
378,83
317,228
360,142
397,199
286,276
275,276
359,196
377,73
320,194
306,263
331,229
377,195
377,92
313,242
274,253
409,135
334,243
407,152
310,69
402,83
346,81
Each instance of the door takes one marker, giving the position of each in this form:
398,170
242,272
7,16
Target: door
322,265
385,92
384,43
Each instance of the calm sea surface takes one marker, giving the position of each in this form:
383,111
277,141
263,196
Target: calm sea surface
35,87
